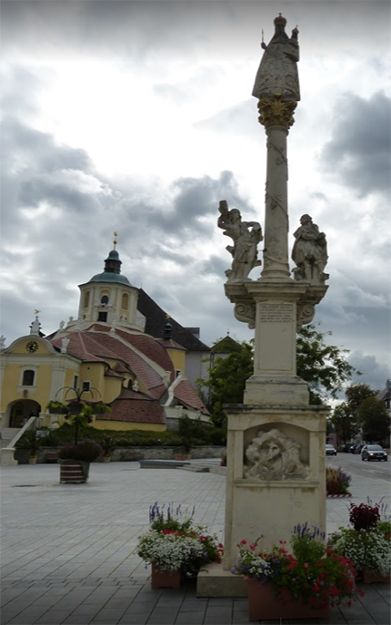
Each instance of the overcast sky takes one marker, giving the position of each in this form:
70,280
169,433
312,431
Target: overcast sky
138,117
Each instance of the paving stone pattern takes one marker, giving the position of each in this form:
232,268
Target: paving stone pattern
68,551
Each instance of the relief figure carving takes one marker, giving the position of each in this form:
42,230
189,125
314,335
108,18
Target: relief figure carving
274,456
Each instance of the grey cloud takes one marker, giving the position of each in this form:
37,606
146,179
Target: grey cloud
240,119
358,153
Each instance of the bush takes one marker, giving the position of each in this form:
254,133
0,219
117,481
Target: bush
364,516
84,450
337,481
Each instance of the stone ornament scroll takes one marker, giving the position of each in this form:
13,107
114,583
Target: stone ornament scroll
274,456
245,236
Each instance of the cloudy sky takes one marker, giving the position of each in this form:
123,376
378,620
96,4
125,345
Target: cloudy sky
138,117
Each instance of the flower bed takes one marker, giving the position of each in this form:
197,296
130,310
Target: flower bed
312,573
367,542
173,544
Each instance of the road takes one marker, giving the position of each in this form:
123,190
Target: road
352,464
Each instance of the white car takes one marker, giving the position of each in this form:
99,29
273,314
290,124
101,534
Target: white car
330,450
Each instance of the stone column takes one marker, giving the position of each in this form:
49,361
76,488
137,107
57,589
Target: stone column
275,253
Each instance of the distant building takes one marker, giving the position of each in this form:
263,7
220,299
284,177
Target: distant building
122,349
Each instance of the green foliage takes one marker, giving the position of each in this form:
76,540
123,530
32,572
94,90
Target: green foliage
83,450
374,419
355,395
337,481
29,440
227,379
324,367
345,422
79,413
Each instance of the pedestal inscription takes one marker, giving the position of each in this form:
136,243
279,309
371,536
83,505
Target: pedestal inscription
276,313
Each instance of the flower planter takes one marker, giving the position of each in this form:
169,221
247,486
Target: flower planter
262,605
74,471
372,577
165,579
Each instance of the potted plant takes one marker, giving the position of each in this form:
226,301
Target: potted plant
367,542
175,548
31,442
75,461
301,583
187,430
108,444
337,482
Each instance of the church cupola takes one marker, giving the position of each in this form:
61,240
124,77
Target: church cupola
109,297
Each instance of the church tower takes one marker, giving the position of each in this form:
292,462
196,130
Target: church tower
108,297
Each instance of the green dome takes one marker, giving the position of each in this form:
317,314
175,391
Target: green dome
108,276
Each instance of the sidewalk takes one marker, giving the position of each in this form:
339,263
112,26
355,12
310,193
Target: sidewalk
68,550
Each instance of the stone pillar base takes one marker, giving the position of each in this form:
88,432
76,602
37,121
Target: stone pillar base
215,581
281,391
7,457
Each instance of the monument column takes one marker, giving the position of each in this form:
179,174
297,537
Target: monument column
275,441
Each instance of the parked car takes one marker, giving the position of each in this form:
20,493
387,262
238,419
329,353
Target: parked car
330,450
373,452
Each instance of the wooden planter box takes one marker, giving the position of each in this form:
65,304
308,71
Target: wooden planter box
165,579
262,605
73,471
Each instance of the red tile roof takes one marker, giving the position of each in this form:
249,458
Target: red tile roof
185,394
132,407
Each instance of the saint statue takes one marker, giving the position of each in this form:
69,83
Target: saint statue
245,236
277,73
309,252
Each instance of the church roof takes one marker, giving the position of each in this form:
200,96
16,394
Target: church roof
134,407
155,319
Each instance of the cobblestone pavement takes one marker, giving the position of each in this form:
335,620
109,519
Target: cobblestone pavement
68,550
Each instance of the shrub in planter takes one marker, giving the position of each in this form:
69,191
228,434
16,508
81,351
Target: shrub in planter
86,451
337,482
368,542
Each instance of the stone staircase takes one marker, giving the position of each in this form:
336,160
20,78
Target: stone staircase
7,435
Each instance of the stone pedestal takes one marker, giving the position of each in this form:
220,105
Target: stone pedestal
273,501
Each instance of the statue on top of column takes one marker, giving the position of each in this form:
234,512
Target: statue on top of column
309,252
277,73
245,236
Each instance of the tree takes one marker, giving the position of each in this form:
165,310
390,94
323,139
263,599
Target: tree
374,419
345,422
227,379
324,367
355,395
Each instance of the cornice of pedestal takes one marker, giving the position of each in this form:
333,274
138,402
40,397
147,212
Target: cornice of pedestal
245,295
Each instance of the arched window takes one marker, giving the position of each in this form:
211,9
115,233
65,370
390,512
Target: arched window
104,299
28,377
86,299
125,301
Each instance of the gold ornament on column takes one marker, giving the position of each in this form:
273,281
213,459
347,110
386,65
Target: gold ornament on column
276,112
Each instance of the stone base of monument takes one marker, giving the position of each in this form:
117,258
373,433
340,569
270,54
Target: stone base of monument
275,474
215,581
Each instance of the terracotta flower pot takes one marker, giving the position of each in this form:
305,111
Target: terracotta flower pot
165,579
262,605
372,577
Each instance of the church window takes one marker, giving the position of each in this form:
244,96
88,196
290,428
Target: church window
102,316
86,299
125,301
75,382
28,377
86,386
104,299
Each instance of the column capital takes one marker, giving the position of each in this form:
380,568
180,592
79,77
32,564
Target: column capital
276,112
